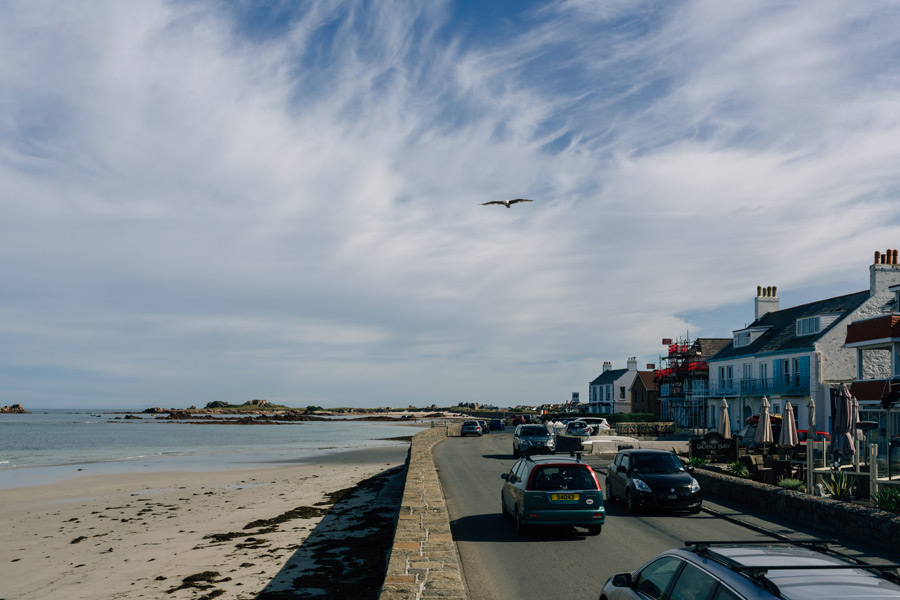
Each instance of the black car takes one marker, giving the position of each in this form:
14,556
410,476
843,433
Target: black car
652,479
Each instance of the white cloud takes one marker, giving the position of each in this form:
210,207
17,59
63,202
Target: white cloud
197,206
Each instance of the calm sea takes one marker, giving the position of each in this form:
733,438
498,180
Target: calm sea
49,445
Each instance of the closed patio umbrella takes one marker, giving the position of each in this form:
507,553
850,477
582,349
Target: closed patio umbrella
788,437
724,427
764,427
812,433
841,438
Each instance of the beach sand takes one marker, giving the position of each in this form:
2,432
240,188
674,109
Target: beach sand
289,531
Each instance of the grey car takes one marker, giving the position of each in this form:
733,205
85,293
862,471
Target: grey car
471,428
755,570
531,439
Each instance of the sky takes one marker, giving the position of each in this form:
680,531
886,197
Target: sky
282,200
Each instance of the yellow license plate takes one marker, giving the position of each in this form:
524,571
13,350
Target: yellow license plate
564,496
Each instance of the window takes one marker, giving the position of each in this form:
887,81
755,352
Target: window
808,325
655,578
723,593
621,392
741,338
693,583
748,371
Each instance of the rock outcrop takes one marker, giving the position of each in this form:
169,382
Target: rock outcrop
13,409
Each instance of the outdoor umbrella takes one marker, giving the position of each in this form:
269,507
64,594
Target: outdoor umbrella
841,439
724,427
812,433
764,427
788,437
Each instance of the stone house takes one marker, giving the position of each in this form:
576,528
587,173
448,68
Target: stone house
644,394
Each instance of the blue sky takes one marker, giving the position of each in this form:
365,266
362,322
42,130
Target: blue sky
225,201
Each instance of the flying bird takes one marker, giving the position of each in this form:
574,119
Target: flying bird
506,203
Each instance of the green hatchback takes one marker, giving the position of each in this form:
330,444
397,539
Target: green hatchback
552,490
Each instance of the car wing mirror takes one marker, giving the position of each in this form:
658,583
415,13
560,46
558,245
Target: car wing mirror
621,580
504,476
621,469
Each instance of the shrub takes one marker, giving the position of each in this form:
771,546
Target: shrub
697,461
888,499
792,484
838,485
738,469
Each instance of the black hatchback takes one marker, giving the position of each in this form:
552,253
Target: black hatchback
652,479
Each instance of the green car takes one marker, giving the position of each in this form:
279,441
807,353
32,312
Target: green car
552,491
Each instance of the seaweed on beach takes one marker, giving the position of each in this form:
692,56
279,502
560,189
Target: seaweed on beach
301,512
200,581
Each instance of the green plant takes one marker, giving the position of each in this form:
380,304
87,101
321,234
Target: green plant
697,461
838,485
792,484
888,499
738,469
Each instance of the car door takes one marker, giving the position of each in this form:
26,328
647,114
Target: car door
654,579
514,485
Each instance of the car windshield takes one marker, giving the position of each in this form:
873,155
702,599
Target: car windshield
656,463
564,477
532,431
470,424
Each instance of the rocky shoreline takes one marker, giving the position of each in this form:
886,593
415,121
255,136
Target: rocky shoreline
16,409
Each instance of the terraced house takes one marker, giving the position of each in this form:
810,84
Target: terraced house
794,354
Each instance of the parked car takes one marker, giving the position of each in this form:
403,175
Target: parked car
531,439
485,428
498,424
598,424
579,428
471,428
796,570
552,490
652,479
518,420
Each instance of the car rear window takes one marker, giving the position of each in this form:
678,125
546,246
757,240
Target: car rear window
564,477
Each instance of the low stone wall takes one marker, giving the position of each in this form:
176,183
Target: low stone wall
423,561
862,523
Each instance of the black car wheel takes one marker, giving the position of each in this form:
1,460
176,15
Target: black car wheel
595,529
695,510
521,526
630,503
503,510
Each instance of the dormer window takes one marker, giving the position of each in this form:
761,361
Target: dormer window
741,338
809,325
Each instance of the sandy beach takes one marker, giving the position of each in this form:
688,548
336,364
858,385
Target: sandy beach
295,530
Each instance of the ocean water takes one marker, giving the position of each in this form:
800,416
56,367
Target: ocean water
53,444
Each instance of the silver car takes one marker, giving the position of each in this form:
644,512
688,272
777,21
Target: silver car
532,439
795,570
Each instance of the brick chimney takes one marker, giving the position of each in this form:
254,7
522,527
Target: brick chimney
884,273
607,366
766,300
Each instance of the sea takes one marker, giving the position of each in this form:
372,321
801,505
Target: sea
50,445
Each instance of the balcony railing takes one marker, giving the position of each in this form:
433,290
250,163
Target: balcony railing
793,386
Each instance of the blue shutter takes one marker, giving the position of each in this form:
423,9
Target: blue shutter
803,383
776,376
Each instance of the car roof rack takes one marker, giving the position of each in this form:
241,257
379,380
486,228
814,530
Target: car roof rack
758,572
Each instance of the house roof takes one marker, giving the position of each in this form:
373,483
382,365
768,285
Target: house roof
609,376
646,379
781,334
709,346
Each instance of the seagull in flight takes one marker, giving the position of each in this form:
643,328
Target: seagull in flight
506,203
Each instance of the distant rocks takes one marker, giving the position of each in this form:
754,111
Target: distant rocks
217,404
13,409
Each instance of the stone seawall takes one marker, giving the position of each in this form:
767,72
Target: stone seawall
833,517
423,561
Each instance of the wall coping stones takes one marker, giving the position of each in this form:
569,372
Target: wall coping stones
423,561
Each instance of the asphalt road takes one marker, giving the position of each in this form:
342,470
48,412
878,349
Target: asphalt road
558,563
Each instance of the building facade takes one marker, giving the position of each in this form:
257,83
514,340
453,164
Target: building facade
794,355
611,391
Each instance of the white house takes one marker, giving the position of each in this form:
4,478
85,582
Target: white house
611,391
794,354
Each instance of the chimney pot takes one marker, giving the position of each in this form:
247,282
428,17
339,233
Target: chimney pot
895,257
877,256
